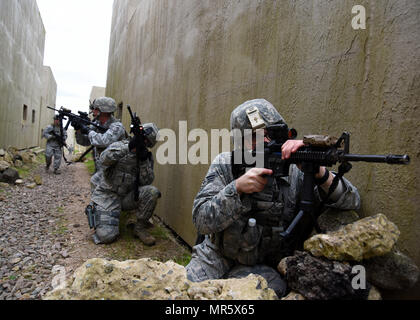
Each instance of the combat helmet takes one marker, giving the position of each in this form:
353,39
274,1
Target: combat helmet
151,132
104,104
259,111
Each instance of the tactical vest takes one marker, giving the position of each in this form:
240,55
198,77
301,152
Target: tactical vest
273,208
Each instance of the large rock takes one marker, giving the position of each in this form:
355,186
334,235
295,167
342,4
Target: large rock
319,278
146,279
10,176
4,165
2,153
333,219
363,239
27,157
393,271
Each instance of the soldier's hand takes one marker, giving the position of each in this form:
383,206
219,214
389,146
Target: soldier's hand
75,124
289,147
253,181
84,129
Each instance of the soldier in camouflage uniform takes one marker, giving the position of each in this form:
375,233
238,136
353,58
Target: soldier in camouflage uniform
222,208
54,147
103,109
114,188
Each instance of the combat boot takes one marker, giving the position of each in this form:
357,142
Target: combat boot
56,171
47,167
144,236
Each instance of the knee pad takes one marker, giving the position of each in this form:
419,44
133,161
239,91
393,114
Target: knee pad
107,225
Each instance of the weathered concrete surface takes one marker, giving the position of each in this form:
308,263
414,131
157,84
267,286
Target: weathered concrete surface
48,98
22,79
197,60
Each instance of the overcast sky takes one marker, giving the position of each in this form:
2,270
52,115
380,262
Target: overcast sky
76,47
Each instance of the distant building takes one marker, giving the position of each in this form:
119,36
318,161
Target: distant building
96,92
26,86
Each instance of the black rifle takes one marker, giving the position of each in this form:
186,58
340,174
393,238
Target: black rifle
136,128
318,151
60,138
82,118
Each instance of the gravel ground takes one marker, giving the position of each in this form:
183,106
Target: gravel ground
33,235
44,234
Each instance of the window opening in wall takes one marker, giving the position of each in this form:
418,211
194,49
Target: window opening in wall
25,112
33,116
120,111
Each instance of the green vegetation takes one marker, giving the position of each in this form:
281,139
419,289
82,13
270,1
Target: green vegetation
90,164
61,227
184,259
159,233
40,158
23,171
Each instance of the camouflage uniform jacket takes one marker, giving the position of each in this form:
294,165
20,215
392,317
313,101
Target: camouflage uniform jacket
218,205
101,141
52,140
119,167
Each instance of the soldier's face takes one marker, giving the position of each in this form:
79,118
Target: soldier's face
56,122
250,143
96,112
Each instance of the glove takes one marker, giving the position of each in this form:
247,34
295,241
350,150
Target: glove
84,129
75,124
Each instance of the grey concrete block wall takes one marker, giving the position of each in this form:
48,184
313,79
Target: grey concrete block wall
48,98
22,38
197,60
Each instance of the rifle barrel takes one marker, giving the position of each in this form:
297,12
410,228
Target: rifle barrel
389,159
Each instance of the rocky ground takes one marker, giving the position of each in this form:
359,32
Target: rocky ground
44,233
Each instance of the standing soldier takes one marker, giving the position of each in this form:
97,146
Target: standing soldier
56,138
116,189
103,109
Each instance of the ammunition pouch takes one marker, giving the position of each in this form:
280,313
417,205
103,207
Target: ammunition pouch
268,247
240,243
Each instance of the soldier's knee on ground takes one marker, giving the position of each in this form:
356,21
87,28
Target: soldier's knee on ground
107,234
106,226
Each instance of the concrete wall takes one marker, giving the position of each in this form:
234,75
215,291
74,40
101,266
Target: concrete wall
197,60
22,38
48,99
96,92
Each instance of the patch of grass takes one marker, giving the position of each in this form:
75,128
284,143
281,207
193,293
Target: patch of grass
23,171
184,259
61,228
12,277
40,158
159,233
90,165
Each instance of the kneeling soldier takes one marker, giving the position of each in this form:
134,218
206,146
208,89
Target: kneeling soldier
115,192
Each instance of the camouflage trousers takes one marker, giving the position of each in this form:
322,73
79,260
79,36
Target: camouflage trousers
56,152
208,263
108,206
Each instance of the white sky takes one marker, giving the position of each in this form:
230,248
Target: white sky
76,47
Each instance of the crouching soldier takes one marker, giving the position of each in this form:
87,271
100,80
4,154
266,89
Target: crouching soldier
121,170
56,138
242,215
